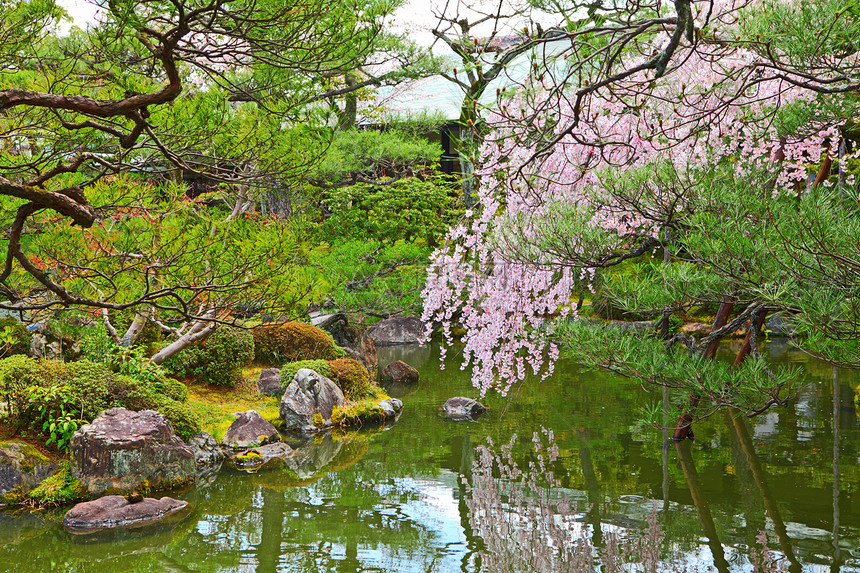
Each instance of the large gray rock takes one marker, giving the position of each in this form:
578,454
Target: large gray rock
462,409
206,450
22,467
117,511
249,430
309,394
395,331
269,382
261,458
398,372
126,451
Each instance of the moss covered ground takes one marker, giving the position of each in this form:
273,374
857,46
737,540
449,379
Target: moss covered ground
215,406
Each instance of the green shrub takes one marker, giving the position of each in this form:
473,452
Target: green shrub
173,389
54,398
288,371
14,337
17,373
351,377
218,359
283,342
185,423
137,395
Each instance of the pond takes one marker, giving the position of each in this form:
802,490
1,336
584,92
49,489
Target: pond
424,495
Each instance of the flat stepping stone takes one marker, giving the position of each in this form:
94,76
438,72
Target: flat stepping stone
116,511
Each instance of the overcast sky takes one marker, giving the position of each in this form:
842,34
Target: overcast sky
416,17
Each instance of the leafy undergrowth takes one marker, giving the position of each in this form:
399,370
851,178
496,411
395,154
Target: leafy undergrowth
215,406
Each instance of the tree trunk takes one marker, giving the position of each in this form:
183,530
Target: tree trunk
200,330
684,427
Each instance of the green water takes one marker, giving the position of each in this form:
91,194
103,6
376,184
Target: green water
393,499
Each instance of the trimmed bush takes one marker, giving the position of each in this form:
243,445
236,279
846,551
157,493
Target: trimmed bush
288,371
218,359
14,337
279,343
351,376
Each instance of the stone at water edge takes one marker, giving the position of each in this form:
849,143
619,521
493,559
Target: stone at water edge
126,451
250,430
269,382
391,408
396,331
398,372
22,467
206,450
116,511
310,393
261,458
462,409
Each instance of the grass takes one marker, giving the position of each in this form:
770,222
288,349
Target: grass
215,406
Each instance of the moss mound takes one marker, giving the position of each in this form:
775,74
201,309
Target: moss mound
279,343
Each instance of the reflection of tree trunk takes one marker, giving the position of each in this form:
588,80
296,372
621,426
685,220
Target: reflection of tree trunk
592,486
760,479
837,556
350,561
467,459
701,504
684,427
665,448
271,531
702,508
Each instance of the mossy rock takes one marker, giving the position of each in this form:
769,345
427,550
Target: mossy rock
22,467
59,489
279,343
350,375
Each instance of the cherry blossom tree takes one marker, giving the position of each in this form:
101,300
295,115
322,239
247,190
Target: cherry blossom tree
688,129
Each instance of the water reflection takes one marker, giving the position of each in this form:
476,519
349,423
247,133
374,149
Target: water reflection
419,496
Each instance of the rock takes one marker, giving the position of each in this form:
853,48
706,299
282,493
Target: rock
696,328
358,345
398,372
391,408
126,451
53,345
308,459
395,331
206,450
777,325
462,409
116,511
308,395
261,458
22,467
249,430
269,382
